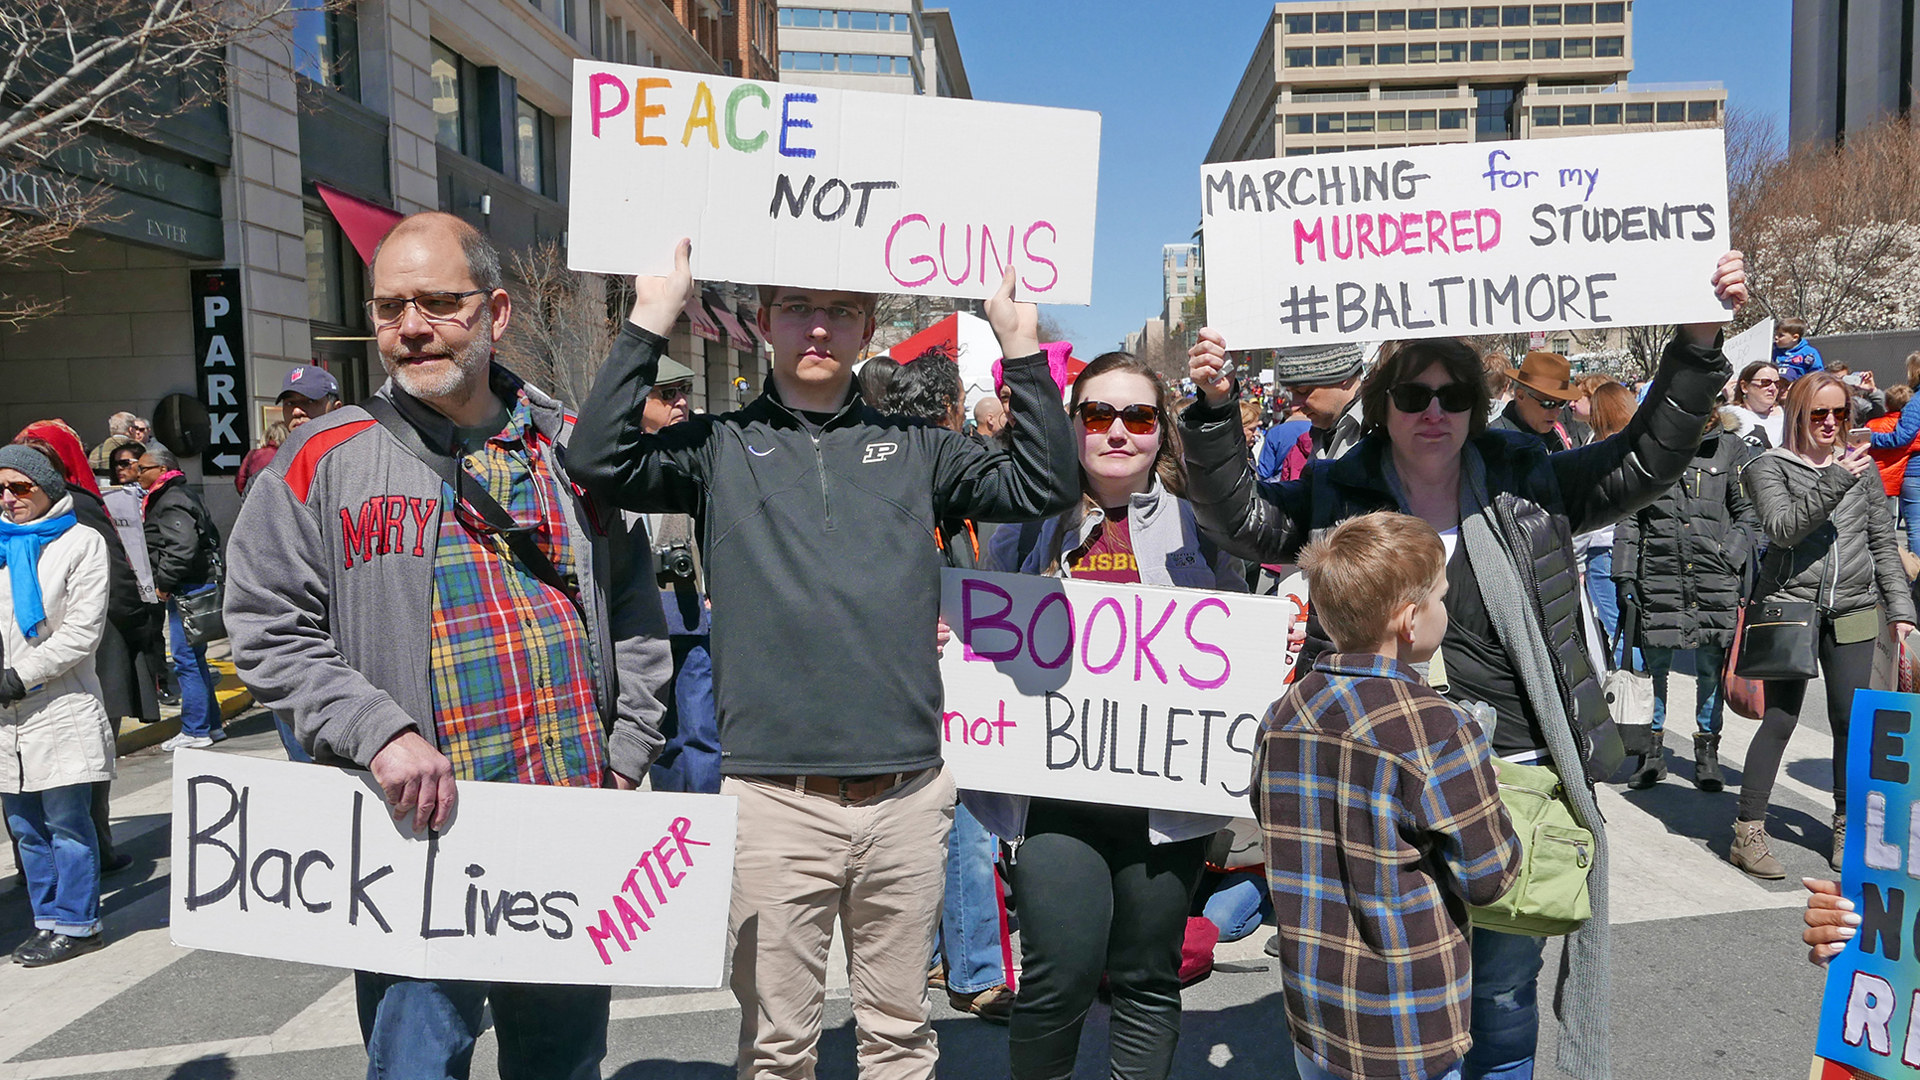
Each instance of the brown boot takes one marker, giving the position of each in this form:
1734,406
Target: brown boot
1750,852
994,1004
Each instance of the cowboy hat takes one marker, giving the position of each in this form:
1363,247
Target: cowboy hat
1547,374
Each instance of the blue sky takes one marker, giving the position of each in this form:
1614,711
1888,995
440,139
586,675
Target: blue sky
1161,73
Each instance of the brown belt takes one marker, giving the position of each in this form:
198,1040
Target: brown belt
846,789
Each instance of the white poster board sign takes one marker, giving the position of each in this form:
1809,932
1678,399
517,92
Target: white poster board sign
1753,343
1133,695
1465,239
128,513
527,883
830,189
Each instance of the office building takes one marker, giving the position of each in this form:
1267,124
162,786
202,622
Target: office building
1852,66
323,133
892,46
1354,75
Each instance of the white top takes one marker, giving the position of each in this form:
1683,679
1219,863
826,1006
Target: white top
1774,424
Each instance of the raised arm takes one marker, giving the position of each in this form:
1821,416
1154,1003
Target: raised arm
1903,432
1254,520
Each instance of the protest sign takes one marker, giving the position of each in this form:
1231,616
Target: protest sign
527,883
1753,343
1133,695
1469,238
1870,1017
830,189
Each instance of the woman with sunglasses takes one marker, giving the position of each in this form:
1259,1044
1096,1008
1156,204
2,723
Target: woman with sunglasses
1106,889
55,740
1507,510
1830,543
1758,405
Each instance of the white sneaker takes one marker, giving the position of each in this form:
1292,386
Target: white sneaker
190,742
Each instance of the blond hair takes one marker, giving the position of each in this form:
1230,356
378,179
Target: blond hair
1363,571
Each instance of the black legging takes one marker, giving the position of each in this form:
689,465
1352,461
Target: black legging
1096,896
1847,668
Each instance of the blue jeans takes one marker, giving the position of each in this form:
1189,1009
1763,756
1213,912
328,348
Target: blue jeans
1506,1010
690,760
1910,508
419,1029
1239,904
1707,660
1309,1071
59,856
295,752
1600,590
199,708
970,916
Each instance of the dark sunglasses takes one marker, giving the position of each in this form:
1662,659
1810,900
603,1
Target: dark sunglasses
1097,416
1818,415
1763,382
20,489
1413,397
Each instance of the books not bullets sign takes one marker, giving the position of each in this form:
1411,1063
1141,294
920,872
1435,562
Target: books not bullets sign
1465,239
830,189
1134,695
527,883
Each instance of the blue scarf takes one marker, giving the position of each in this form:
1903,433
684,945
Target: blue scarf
20,548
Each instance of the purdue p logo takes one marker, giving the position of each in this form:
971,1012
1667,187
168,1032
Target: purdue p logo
879,451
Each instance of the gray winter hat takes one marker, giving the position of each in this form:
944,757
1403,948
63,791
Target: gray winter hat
35,466
1317,365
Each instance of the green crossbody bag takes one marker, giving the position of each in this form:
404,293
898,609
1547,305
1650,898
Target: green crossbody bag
1556,852
1556,855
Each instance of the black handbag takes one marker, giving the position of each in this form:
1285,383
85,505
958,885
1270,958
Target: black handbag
202,614
1780,641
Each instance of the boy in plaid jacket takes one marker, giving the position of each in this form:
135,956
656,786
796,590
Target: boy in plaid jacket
1381,818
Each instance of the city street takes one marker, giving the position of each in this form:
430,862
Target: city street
1709,977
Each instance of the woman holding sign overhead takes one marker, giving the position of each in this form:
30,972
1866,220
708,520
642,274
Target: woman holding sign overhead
1508,510
1105,889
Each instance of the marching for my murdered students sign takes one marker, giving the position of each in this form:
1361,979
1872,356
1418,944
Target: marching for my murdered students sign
1870,1018
830,189
526,884
1471,238
1124,694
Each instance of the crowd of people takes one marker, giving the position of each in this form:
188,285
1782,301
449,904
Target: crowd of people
747,603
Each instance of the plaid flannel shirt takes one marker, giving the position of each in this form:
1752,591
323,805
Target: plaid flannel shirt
512,669
1382,822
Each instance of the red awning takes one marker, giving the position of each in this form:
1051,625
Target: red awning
703,324
365,223
945,333
749,328
736,334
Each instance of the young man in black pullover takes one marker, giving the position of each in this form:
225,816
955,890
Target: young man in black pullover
817,517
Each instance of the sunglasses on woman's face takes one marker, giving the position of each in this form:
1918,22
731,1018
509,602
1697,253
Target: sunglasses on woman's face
20,489
1764,383
1097,417
1820,416
1413,397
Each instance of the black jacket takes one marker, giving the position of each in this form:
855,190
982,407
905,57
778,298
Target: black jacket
1508,419
181,538
819,551
1540,501
1685,557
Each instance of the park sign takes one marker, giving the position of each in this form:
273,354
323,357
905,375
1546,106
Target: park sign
830,189
1131,695
527,883
1870,1016
1466,239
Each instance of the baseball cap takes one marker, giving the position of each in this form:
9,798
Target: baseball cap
309,382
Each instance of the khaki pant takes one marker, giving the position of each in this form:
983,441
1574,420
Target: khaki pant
879,865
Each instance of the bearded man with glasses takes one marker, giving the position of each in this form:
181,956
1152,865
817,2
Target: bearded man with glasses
816,517
419,586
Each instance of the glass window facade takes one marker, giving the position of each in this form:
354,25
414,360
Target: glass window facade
1546,48
1576,115
1486,16
1453,18
1453,119
1610,46
862,63
448,98
1393,20
1423,52
1359,56
1360,22
1299,58
1606,114
1610,13
1329,56
1485,51
1546,116
1299,123
1702,112
898,22
1578,14
1546,14
326,44
1453,52
1640,113
1515,50
1422,120
1671,112
1330,22
1577,48
1426,19
529,145
1393,54
1299,24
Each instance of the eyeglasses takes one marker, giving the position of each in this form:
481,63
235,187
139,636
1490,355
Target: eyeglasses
672,391
1098,416
1763,383
435,307
20,489
1413,397
837,314
1547,403
1822,415
148,468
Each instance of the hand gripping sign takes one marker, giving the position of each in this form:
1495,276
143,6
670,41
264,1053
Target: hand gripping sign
1133,695
1870,1017
1464,239
527,883
830,189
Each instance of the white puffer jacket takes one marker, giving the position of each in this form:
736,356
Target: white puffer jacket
58,734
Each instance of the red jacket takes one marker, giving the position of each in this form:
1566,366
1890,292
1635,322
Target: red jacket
1893,462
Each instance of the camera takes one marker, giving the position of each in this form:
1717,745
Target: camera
674,563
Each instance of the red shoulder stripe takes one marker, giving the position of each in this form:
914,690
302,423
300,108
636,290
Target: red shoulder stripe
300,471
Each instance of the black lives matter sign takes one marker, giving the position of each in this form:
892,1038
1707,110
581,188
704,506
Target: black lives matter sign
220,346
